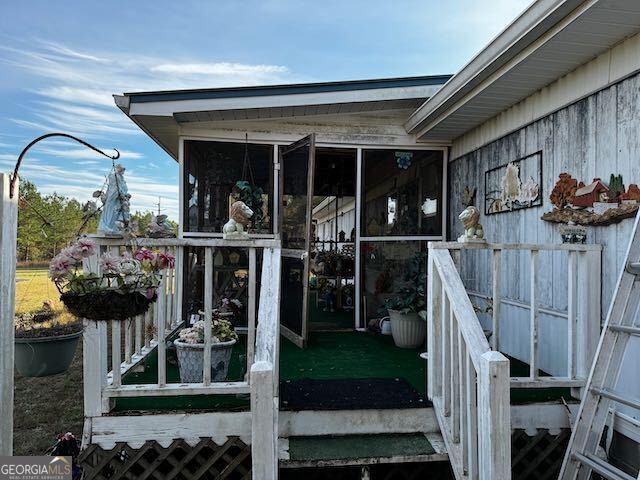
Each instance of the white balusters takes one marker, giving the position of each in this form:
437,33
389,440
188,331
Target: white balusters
534,315
208,313
496,299
116,350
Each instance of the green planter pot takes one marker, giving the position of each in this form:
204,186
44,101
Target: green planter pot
39,357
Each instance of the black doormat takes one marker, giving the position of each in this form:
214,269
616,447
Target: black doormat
350,394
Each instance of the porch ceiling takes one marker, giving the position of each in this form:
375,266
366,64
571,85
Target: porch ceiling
550,39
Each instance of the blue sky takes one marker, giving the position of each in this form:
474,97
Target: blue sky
60,62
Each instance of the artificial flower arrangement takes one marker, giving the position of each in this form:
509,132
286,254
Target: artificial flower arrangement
125,288
221,332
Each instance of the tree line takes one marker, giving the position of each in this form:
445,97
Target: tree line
48,223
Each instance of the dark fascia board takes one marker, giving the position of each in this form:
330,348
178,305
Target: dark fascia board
291,89
537,19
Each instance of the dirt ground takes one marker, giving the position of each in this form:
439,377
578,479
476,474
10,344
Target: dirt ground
46,406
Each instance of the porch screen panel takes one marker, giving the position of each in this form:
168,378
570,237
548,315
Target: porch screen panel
211,170
401,193
294,198
291,281
383,267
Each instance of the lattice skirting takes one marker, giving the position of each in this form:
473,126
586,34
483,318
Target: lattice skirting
179,461
538,457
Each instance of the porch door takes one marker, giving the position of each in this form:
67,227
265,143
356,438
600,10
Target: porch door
296,196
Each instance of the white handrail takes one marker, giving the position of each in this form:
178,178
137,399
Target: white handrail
468,383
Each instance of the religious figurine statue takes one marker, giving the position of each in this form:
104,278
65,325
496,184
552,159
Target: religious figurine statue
473,232
235,228
115,210
160,227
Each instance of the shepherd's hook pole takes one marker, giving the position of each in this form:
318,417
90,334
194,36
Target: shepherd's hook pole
14,177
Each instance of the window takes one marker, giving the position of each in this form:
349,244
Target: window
211,170
401,193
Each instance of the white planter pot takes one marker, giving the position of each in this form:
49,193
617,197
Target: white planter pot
408,329
191,357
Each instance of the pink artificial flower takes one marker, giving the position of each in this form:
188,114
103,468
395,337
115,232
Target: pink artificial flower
85,247
144,254
109,263
71,253
165,260
60,266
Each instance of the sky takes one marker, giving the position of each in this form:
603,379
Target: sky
61,62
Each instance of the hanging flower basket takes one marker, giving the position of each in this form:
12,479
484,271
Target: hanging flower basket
107,305
125,289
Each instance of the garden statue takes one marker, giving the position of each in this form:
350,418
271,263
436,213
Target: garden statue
239,215
115,204
159,227
473,231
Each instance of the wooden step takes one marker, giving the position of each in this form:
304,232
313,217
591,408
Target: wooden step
349,450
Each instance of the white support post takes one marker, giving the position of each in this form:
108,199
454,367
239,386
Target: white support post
494,417
472,419
251,310
8,236
208,313
496,284
454,380
92,372
534,316
434,330
264,421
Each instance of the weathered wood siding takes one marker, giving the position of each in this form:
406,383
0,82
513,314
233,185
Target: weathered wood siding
594,137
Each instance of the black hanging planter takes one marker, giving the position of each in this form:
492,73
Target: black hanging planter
107,305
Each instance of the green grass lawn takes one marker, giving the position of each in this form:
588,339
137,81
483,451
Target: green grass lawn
46,406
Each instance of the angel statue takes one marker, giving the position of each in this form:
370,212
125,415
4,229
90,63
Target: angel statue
115,210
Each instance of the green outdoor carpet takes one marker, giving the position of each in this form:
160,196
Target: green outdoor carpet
329,355
353,447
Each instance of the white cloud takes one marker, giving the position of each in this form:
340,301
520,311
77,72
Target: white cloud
222,68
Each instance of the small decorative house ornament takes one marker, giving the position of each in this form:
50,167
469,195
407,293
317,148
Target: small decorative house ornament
586,195
239,216
473,232
115,212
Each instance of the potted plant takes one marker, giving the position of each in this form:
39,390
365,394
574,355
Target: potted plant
45,341
190,349
407,310
125,288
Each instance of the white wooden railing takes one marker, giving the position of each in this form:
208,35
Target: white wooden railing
468,383
579,266
132,340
